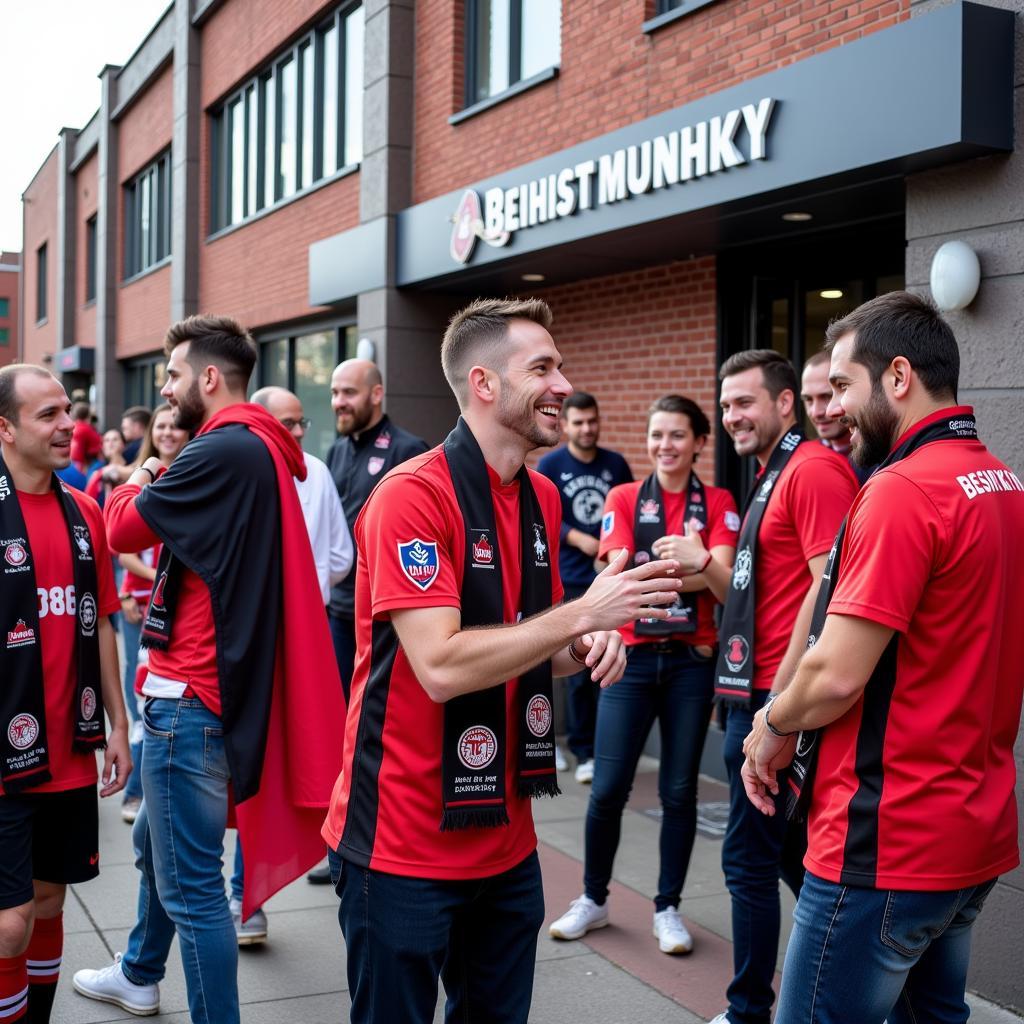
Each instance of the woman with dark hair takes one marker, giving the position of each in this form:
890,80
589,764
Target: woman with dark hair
669,674
106,477
164,440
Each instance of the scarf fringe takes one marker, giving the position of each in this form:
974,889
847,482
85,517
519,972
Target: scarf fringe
81,746
478,817
154,643
543,786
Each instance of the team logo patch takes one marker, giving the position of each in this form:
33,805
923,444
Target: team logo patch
20,636
418,559
790,441
383,441
88,703
587,505
15,553
477,747
737,650
650,511
22,731
468,225
483,550
540,549
82,542
732,521
156,601
538,715
608,523
742,570
374,464
87,613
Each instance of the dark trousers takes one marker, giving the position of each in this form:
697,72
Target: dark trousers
479,937
670,683
343,635
757,852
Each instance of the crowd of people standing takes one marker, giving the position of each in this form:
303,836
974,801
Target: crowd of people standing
375,639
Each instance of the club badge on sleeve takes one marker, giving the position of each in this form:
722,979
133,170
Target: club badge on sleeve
418,560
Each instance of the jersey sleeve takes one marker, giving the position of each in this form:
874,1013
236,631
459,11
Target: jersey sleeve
617,522
406,535
107,598
821,492
723,527
888,559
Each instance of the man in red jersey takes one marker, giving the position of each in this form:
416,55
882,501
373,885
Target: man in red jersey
239,702
450,728
58,666
916,687
798,499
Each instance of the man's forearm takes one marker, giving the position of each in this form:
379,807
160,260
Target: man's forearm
126,529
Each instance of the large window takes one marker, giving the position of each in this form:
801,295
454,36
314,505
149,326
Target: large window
90,259
147,217
5,336
5,308
41,262
509,41
143,380
298,121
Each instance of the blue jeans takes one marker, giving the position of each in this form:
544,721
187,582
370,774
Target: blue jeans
185,780
757,851
479,936
870,955
131,633
343,636
669,682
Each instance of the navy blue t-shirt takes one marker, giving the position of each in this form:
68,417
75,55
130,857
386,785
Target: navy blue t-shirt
583,486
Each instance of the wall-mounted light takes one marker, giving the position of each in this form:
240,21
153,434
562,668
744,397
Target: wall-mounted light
832,293
797,216
366,349
956,274
533,277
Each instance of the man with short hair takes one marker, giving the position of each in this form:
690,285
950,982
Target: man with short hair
60,675
798,499
450,728
910,694
237,704
134,424
584,473
816,395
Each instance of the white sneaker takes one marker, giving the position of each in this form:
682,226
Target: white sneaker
583,916
671,933
561,764
585,772
109,985
250,931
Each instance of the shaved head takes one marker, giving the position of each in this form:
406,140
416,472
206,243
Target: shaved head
285,407
360,369
357,396
273,398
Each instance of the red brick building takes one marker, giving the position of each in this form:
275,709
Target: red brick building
10,297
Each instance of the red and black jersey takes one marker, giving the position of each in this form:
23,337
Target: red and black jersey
722,528
915,785
387,804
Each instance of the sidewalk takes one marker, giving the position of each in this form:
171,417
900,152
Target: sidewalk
616,975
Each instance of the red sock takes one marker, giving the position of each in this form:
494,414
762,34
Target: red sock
13,988
42,960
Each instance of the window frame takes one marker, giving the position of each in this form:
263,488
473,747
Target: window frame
153,182
265,88
42,270
666,14
91,225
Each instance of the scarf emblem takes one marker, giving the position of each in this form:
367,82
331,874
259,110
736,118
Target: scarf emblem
477,747
15,555
540,549
23,731
418,561
736,652
742,570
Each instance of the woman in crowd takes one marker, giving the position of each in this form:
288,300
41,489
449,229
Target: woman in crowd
164,440
106,477
670,668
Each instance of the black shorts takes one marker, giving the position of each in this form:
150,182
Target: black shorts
51,837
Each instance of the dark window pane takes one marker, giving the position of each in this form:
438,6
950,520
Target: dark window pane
5,334
41,282
5,307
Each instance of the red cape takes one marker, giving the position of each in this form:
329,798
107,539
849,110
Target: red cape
279,827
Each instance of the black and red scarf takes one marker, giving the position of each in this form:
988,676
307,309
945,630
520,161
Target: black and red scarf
648,526
24,746
958,426
734,673
475,728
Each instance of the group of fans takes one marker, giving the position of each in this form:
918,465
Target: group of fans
869,708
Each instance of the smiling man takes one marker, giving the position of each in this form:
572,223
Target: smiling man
450,729
816,395
916,685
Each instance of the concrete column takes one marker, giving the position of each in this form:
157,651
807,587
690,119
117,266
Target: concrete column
185,166
406,328
981,202
109,384
64,254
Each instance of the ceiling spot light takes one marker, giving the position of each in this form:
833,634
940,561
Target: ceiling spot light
533,277
956,274
832,293
797,216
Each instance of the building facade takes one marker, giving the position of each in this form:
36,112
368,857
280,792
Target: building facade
10,304
679,179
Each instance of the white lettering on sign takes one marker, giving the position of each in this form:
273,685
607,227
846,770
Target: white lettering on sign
675,158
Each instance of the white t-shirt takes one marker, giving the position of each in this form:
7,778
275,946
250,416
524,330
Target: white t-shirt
325,520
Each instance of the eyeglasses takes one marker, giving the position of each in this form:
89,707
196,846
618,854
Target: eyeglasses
292,424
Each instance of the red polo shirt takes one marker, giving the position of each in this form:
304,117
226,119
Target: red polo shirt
390,785
915,787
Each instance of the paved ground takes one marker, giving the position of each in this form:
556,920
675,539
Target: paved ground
298,977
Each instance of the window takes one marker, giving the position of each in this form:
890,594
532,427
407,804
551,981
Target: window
147,217
90,259
143,380
298,121
41,282
509,41
5,308
5,334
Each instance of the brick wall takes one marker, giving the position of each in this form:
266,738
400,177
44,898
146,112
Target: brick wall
145,129
86,200
630,338
611,74
40,209
10,281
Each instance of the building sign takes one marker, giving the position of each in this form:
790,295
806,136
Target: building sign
669,159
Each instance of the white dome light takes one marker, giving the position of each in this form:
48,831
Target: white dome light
956,275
